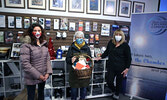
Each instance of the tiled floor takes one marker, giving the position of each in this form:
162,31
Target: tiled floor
122,97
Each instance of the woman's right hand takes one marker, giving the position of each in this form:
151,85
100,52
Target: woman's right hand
41,77
73,59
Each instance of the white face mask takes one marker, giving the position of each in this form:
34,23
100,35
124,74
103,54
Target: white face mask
118,38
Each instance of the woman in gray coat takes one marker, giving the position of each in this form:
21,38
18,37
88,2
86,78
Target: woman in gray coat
35,61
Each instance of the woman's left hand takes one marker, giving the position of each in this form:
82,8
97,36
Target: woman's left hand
125,72
46,77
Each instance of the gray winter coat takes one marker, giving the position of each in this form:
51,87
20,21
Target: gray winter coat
35,61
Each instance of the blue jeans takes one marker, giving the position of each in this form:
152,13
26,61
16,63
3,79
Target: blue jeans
31,91
74,93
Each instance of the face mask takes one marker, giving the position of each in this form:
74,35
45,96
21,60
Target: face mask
79,41
37,34
118,38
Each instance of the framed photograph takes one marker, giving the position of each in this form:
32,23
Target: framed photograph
105,30
14,3
2,21
37,4
15,50
11,22
18,22
56,24
76,6
0,3
95,26
94,6
63,24
9,37
110,7
71,26
59,5
138,7
2,40
124,8
26,22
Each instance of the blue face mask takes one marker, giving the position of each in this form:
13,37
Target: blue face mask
79,41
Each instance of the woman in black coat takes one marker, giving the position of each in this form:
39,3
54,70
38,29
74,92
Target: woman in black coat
119,60
79,46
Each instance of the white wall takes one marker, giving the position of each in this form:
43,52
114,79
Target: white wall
150,6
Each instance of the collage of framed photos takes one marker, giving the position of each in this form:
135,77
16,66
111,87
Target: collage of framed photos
92,6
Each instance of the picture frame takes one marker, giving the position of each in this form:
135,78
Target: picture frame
93,6
14,3
124,8
15,52
0,3
76,6
34,4
71,26
110,7
138,7
59,5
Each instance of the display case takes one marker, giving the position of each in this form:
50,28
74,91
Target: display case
10,78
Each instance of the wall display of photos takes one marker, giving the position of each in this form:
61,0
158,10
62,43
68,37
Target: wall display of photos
54,24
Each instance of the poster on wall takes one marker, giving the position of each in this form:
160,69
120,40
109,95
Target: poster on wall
42,22
19,22
2,21
34,20
94,26
48,24
8,37
2,37
105,30
11,23
64,24
71,26
56,24
15,50
87,26
26,22
80,28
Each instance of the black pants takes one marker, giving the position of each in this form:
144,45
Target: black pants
31,91
111,75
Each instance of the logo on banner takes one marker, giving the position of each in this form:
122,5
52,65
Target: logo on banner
157,25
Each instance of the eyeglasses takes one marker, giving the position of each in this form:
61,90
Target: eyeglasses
36,30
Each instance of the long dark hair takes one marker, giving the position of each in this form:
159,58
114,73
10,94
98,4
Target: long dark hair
33,38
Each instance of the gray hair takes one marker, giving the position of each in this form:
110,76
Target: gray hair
78,33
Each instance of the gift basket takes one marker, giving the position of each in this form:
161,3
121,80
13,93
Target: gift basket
83,66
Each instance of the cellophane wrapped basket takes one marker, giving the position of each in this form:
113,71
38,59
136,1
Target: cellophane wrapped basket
85,73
